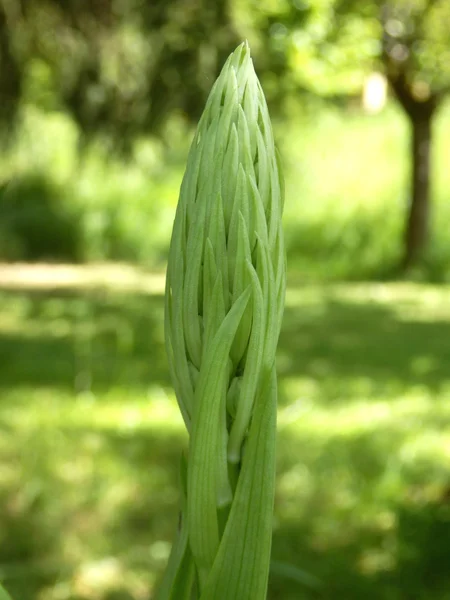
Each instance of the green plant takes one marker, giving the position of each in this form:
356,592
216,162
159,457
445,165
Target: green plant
37,222
224,304
3,594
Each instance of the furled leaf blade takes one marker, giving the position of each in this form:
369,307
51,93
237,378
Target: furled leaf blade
242,564
204,449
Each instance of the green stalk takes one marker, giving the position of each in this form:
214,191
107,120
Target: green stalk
224,303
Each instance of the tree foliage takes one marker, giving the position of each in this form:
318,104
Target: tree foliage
329,45
123,66
117,66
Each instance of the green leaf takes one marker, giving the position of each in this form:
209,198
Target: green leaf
180,571
173,318
3,594
194,255
218,241
229,180
252,371
240,282
241,568
203,478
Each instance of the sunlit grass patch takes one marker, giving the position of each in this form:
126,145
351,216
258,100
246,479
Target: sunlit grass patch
118,409
91,437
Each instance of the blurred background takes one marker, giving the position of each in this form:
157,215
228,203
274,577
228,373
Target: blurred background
98,104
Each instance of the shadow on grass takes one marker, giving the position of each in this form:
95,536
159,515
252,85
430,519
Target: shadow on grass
343,522
350,509
81,496
353,512
104,339
416,559
82,340
350,340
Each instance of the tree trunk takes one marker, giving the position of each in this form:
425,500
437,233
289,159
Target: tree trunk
420,110
418,218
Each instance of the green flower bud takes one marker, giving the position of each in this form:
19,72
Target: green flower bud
224,299
227,228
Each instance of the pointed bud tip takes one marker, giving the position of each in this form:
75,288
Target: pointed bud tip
241,54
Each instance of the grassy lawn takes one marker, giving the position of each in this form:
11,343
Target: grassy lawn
90,440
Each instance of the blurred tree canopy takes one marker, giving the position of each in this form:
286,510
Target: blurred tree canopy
414,53
120,68
117,66
330,45
123,66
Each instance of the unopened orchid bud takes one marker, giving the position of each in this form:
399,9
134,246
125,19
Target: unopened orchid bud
224,304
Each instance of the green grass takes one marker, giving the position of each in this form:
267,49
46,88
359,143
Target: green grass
91,436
